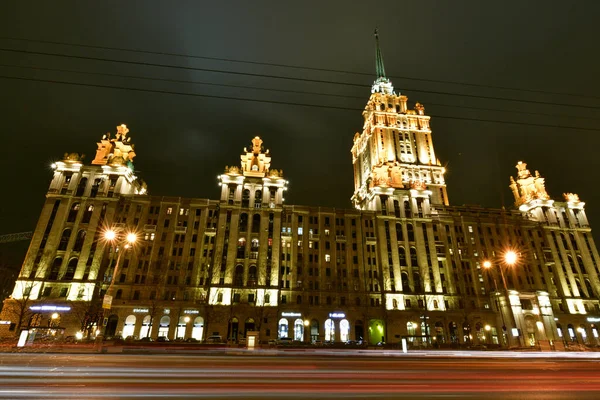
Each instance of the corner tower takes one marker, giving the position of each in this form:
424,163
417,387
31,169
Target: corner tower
393,157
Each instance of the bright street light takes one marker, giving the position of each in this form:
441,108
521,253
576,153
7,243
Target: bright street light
131,237
510,257
110,235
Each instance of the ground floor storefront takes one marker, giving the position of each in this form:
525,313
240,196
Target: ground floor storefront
355,325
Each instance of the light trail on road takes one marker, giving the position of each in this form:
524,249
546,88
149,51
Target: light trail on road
292,377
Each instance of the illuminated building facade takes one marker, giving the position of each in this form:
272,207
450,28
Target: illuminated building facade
402,264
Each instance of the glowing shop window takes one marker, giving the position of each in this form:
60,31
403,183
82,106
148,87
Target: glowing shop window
298,330
329,330
283,328
344,330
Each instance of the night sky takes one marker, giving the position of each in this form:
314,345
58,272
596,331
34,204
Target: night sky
547,51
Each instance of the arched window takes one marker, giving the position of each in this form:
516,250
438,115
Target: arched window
79,240
55,268
402,256
241,248
580,289
298,330
283,328
239,275
243,222
329,330
267,298
163,328
129,326
254,245
394,304
573,242
73,213
399,234
146,326
407,211
405,282
413,257
87,214
64,239
198,328
256,223
71,267
410,232
559,330
252,275
580,264
571,332
246,198
344,330
258,199
588,286
417,281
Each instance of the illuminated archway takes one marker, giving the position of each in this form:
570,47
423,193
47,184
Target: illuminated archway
283,328
329,330
146,326
163,328
198,328
129,326
344,330
299,330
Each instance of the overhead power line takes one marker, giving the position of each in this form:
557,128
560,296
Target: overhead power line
168,80
289,78
280,65
282,102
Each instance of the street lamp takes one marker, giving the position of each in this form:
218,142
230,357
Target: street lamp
509,258
117,241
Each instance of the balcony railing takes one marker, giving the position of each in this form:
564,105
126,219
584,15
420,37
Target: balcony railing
180,229
210,231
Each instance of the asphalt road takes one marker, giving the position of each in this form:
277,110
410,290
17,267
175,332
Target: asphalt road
289,375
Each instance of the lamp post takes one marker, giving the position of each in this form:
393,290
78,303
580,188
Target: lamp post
120,243
510,259
487,265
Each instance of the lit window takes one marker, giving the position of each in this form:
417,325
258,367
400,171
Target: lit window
327,258
170,210
326,232
299,230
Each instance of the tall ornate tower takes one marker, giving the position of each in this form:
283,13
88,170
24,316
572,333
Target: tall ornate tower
393,157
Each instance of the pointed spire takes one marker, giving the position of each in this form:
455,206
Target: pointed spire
379,68
382,84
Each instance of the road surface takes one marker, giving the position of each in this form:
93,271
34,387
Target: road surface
291,375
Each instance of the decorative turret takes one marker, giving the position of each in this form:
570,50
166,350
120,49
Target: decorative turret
254,182
110,175
115,151
532,199
528,188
